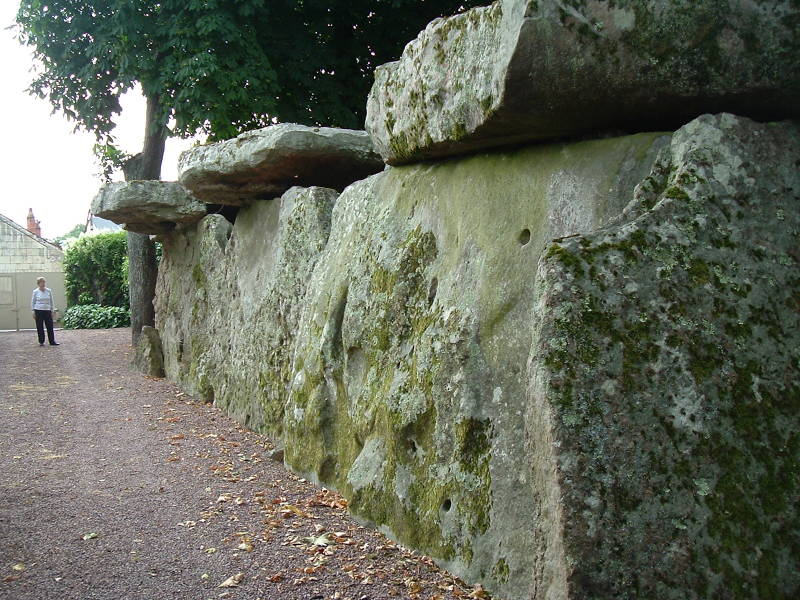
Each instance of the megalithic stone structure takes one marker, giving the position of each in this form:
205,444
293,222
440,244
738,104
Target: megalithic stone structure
560,360
526,70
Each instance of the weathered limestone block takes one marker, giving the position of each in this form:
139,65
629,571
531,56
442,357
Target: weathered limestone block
608,415
409,388
228,301
150,207
662,419
266,162
522,70
149,357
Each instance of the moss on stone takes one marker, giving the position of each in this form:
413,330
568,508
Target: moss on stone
689,379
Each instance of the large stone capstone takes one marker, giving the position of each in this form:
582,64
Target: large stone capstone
522,70
150,207
266,162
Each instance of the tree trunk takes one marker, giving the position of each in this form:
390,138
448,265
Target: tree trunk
142,266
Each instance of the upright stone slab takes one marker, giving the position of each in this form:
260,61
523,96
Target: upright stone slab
228,301
664,381
522,70
409,387
266,162
149,357
150,207
504,363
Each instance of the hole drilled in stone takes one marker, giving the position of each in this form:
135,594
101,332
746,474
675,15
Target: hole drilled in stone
447,505
432,290
412,447
524,237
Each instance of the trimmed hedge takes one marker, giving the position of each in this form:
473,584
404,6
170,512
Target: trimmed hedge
94,316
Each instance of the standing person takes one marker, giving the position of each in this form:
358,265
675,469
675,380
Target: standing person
42,307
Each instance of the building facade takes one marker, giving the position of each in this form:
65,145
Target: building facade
24,256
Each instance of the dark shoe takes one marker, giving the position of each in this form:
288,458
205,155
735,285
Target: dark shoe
41,343
54,344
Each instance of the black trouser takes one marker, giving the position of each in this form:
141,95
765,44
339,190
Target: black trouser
44,318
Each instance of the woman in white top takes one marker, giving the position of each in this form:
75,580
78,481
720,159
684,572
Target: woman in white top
42,307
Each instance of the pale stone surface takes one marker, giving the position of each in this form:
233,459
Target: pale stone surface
664,380
608,415
149,357
266,162
409,386
150,207
229,297
523,70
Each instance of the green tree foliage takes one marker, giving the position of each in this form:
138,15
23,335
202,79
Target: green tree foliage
71,234
324,52
213,66
220,67
96,270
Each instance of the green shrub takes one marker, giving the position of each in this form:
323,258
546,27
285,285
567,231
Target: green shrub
96,270
94,316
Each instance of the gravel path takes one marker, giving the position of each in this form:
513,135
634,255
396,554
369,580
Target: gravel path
118,486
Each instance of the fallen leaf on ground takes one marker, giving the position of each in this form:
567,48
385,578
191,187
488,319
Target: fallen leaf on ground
19,567
478,592
188,524
232,581
287,510
322,540
89,536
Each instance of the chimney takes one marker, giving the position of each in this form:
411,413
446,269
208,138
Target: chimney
33,225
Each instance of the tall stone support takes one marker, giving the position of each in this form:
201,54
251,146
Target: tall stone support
409,387
565,371
664,381
229,300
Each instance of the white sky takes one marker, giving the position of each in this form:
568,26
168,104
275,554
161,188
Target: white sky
43,164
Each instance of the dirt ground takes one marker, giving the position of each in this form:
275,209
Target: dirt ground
118,486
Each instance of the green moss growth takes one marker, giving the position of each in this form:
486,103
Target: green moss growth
694,369
473,444
566,258
500,571
676,193
199,276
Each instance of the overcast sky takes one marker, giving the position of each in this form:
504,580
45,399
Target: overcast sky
44,165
